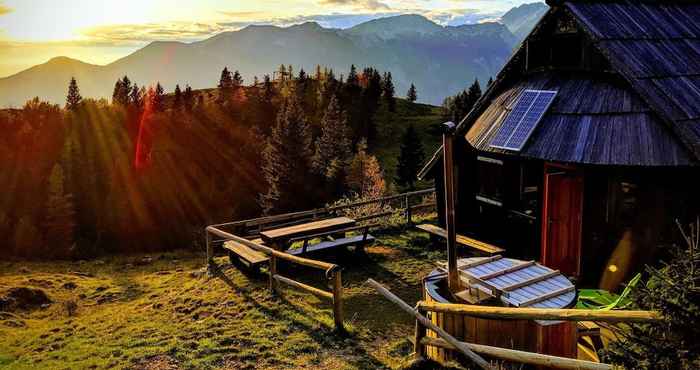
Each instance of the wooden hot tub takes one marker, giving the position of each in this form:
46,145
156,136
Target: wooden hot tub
553,338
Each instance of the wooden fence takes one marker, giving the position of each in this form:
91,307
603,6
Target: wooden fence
332,272
404,203
473,351
251,228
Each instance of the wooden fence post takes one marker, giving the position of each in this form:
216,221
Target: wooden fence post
408,210
273,272
338,300
210,254
420,333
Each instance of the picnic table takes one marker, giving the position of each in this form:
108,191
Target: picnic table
278,238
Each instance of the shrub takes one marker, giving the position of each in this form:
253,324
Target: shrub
674,291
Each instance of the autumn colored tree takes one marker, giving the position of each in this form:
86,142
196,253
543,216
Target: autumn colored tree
73,97
365,176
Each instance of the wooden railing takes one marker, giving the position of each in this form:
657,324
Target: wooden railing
473,351
404,202
332,272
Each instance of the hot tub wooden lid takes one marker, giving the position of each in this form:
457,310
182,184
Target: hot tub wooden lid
518,283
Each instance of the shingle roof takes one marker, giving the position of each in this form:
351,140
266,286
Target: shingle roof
655,46
595,121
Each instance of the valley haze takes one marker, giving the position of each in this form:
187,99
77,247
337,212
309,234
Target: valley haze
439,60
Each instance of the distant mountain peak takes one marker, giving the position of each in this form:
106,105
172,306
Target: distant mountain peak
394,26
64,60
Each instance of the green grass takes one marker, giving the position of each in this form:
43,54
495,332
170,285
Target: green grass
167,313
425,118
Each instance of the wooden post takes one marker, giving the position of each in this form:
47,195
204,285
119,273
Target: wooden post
408,210
523,357
338,300
447,143
420,333
273,272
530,313
210,254
461,347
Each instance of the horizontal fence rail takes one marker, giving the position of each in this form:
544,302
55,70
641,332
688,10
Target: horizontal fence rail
555,314
447,341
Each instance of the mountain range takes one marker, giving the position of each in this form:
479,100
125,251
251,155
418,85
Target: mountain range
439,60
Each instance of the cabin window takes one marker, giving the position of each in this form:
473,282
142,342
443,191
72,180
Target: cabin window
528,195
490,174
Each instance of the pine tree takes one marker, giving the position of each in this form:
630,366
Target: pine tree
136,96
73,98
364,174
353,79
333,146
117,91
674,291
282,73
188,98
237,79
158,98
225,85
388,92
488,84
60,215
286,160
411,158
412,95
177,99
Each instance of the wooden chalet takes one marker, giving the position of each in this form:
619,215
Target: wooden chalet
592,182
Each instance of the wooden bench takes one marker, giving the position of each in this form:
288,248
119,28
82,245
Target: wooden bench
462,240
359,241
245,254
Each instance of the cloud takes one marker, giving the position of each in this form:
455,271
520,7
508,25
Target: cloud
171,31
4,9
358,4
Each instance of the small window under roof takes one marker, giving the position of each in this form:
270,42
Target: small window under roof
522,120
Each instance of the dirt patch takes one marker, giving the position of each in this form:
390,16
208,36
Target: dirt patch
23,298
161,362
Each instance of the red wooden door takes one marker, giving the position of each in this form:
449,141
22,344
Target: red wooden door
561,246
561,220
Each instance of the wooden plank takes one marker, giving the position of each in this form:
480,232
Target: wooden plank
250,255
459,346
302,286
529,313
462,240
547,296
338,243
506,270
328,267
522,357
531,281
306,228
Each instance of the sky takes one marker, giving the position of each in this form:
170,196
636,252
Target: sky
101,31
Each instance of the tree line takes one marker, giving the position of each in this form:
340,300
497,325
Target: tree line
146,170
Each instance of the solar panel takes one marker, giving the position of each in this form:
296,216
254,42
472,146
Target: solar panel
522,119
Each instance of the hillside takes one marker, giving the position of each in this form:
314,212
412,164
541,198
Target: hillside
439,60
162,312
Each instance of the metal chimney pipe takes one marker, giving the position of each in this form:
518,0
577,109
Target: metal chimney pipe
447,145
